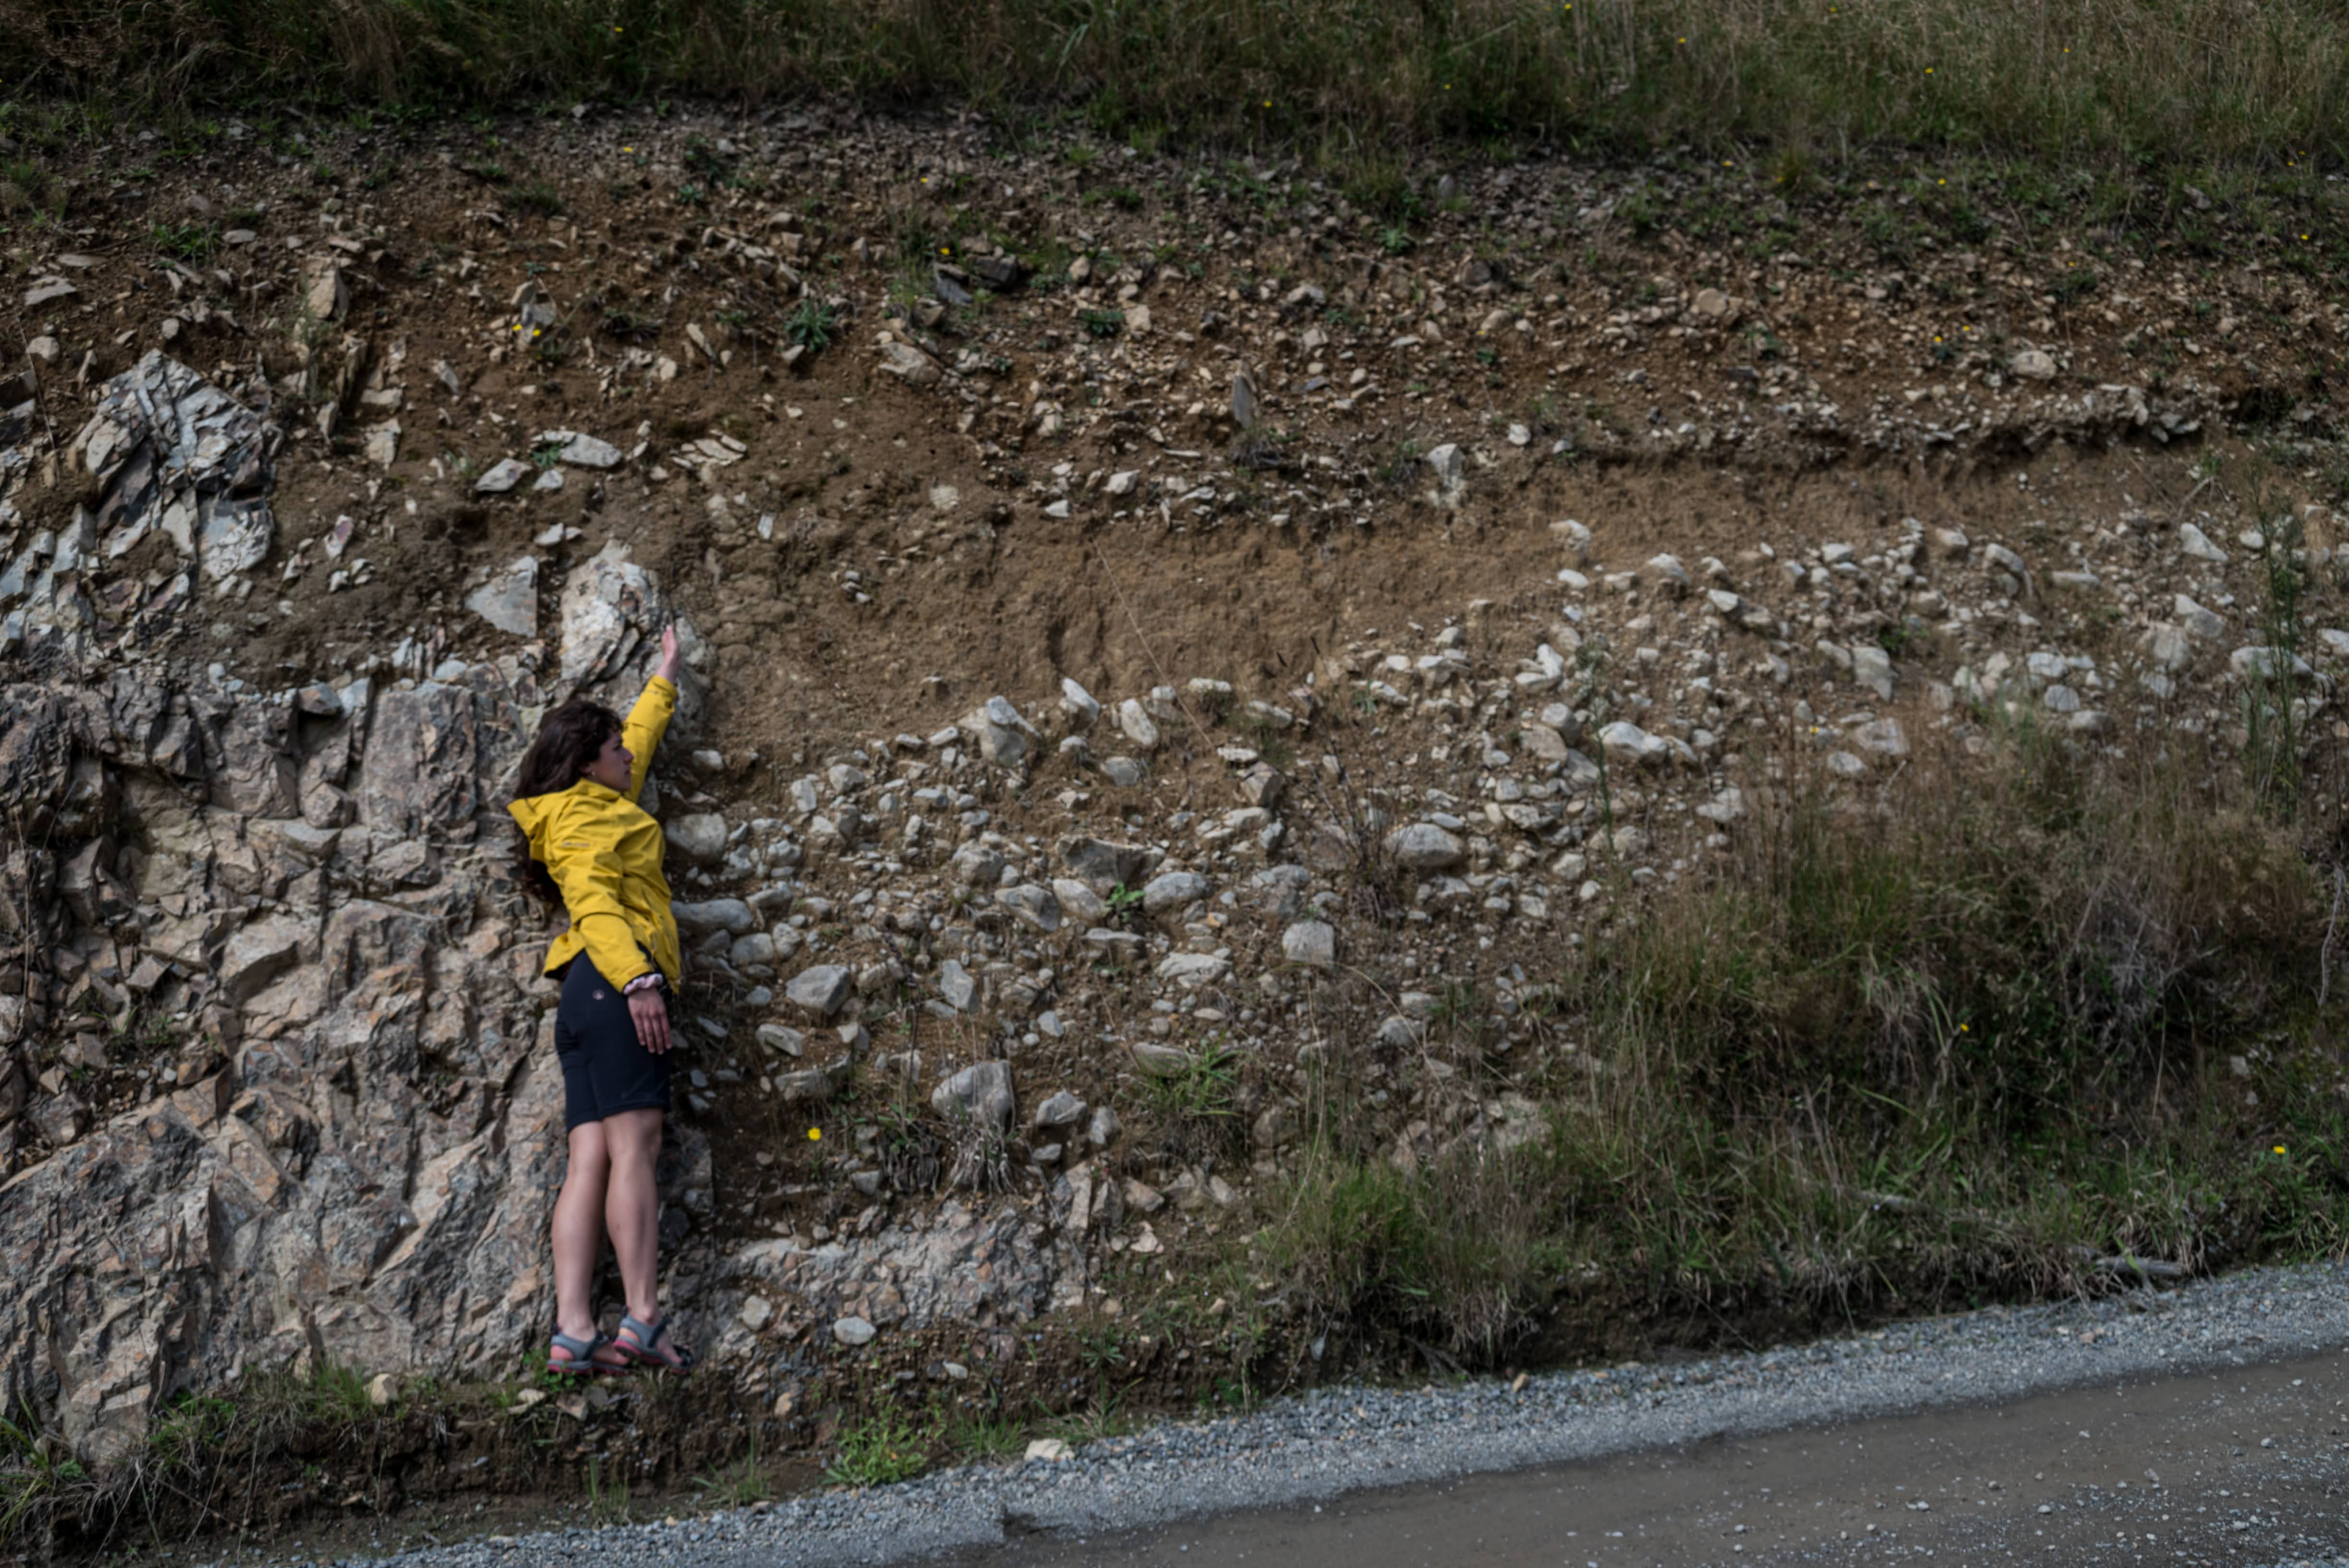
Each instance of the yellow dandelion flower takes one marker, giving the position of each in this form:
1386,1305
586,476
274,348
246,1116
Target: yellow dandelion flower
2279,1148
815,1135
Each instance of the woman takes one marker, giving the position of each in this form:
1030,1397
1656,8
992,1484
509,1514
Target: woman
588,846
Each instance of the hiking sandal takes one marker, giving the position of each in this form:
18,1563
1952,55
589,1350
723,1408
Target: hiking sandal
649,1344
579,1356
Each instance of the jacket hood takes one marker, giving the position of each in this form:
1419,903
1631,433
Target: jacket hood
536,813
533,813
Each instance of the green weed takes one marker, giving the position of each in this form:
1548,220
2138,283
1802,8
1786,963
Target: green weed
879,1450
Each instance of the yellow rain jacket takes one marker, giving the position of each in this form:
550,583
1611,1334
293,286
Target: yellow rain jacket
604,851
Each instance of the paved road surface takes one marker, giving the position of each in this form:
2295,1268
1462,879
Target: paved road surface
2251,1467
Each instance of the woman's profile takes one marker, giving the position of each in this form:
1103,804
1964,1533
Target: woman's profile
589,847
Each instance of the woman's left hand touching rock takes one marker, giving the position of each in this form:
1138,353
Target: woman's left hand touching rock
671,658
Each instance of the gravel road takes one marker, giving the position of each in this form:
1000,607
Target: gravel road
2179,1358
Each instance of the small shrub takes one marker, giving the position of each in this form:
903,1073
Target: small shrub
186,241
810,324
537,198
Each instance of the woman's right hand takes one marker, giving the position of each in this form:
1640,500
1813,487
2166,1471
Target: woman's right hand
650,1014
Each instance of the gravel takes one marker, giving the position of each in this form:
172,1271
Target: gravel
1345,1439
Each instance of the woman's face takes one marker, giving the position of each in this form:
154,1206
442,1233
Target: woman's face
611,766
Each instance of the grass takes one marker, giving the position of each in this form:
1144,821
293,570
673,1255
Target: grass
1881,1062
879,1449
186,241
35,1481
983,1436
192,1444
2133,78
737,1485
537,198
608,1501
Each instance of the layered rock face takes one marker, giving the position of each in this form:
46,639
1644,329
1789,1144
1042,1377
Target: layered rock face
346,1121
353,1138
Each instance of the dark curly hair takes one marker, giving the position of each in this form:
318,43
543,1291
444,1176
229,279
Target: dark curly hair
568,739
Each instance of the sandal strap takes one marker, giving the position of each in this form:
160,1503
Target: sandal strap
642,1341
580,1350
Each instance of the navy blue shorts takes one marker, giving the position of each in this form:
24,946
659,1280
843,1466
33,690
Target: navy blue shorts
605,1069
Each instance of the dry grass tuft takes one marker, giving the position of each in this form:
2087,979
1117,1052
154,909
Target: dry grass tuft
2200,78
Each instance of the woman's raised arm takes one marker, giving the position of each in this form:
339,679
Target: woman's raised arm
648,720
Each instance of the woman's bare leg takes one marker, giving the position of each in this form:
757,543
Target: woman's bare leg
579,1230
632,1207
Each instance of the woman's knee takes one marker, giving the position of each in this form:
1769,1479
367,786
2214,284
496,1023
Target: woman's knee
591,1152
634,1138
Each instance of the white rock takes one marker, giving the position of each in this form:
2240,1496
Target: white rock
1313,942
379,444
2264,664
2196,545
1627,742
958,987
1424,847
2167,645
1032,905
1192,969
1666,574
507,473
1052,1451
582,450
820,989
700,918
700,837
1135,722
1871,667
1450,469
1078,704
1884,737
980,1095
853,1332
997,728
1172,892
509,601
1079,902
909,365
2201,623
